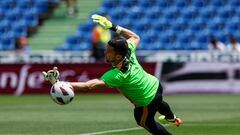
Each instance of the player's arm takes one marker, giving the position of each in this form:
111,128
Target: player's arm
94,84
128,34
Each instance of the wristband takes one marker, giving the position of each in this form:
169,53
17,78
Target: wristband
116,28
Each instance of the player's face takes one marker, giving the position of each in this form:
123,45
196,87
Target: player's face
110,55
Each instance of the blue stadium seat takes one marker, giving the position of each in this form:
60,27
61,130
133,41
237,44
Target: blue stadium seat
194,45
196,27
73,40
25,4
136,15
7,5
2,14
100,11
234,3
216,25
144,4
86,28
141,46
200,3
42,6
13,17
1,47
178,24
182,23
142,26
202,39
7,43
153,13
31,20
217,3
200,22
16,16
81,46
20,32
226,12
178,46
117,15
190,13
210,10
163,4
233,24
161,25
180,4
126,22
128,3
108,4
154,46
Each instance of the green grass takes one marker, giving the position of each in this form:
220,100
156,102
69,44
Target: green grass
39,115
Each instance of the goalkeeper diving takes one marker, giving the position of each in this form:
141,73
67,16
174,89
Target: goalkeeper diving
142,89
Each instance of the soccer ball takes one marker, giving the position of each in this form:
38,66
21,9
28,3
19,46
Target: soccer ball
62,93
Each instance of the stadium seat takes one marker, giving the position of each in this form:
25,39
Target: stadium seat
5,26
200,3
196,27
182,23
217,3
202,39
179,24
161,25
42,6
136,15
17,16
190,13
7,43
108,4
163,3
180,4
31,20
153,13
86,28
234,3
19,32
128,3
227,12
126,22
81,46
233,24
7,5
194,45
73,40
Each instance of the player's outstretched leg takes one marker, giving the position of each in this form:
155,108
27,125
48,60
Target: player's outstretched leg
144,117
168,116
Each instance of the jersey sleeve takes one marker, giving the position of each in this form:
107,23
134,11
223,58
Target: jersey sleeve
131,46
112,78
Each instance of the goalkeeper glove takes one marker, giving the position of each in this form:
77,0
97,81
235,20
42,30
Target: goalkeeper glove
103,21
52,75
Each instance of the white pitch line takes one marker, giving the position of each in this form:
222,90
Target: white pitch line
112,131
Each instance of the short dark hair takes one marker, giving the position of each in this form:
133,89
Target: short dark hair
120,46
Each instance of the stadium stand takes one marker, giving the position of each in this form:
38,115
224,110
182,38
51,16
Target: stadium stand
21,18
170,25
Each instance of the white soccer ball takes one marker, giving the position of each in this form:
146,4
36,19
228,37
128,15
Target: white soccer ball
62,93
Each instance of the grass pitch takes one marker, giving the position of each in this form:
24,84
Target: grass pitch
39,115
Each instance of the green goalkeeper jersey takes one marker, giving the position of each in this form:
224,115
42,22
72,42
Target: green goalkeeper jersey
136,84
